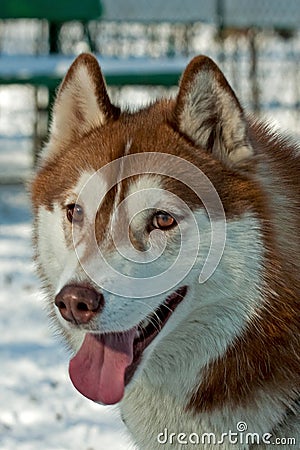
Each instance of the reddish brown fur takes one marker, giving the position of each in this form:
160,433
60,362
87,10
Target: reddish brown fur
266,355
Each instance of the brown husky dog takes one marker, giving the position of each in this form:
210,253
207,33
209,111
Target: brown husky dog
168,243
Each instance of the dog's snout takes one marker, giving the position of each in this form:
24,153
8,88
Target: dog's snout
79,304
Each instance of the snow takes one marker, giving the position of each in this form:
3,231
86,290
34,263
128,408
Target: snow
38,404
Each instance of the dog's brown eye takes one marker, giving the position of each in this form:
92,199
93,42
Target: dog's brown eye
75,213
163,220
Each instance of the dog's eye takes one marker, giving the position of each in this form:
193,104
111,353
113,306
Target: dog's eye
163,221
74,213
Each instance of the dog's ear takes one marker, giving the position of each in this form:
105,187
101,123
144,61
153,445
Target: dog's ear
208,113
82,103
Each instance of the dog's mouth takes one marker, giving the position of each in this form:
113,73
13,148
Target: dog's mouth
106,363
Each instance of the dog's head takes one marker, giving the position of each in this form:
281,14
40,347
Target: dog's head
130,225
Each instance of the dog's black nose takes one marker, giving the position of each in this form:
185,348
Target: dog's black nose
79,304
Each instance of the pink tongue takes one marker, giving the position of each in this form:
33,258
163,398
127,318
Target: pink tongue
98,369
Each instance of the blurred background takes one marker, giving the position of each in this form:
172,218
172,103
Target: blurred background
142,47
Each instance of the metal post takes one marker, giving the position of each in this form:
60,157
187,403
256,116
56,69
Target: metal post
253,71
220,19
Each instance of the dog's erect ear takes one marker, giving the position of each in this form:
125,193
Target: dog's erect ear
208,112
82,103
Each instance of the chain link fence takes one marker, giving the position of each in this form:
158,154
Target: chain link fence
257,45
